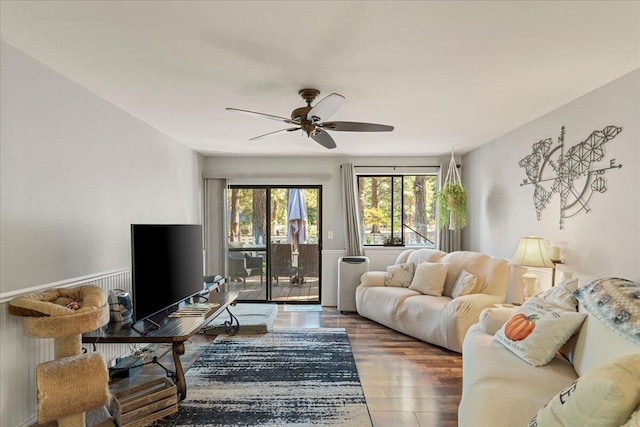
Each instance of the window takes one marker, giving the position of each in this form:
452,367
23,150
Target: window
398,209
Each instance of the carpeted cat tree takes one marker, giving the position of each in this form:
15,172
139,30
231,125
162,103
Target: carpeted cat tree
73,383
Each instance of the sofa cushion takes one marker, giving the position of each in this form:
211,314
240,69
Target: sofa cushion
499,389
616,303
604,396
492,273
429,278
465,284
492,319
421,316
538,329
399,275
430,255
382,301
403,256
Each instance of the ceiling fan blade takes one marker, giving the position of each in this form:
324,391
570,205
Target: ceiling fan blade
323,138
325,108
271,133
355,127
266,116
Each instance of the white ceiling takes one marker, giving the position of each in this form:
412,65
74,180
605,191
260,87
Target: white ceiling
445,74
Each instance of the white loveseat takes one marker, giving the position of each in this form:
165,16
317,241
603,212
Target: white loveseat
501,389
440,320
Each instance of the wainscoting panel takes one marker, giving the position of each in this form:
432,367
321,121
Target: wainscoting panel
19,354
381,258
330,276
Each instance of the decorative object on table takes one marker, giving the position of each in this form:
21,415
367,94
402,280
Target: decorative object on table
531,253
452,199
254,318
555,250
563,273
572,174
120,306
73,383
294,377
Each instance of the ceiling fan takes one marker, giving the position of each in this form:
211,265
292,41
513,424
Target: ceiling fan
311,120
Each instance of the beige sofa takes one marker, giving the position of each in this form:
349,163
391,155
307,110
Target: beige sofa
501,389
440,320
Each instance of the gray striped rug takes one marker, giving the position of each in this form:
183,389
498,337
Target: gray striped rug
304,377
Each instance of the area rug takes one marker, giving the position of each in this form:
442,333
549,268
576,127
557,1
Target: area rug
291,378
253,319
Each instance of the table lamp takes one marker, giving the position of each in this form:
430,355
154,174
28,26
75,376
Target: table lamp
531,252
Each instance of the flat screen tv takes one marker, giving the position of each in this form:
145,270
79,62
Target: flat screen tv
166,266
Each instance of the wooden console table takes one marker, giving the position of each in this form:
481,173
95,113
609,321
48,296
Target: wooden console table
176,325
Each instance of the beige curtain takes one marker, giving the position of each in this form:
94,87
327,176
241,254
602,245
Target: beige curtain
215,226
353,225
448,240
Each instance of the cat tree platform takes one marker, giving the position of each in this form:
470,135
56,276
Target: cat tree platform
74,382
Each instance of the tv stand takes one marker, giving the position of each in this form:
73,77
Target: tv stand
174,328
144,330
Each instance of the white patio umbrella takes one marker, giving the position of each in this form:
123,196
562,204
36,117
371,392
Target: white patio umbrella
296,217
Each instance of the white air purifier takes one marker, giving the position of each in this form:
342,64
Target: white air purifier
350,268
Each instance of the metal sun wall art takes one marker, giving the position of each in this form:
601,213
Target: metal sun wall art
569,174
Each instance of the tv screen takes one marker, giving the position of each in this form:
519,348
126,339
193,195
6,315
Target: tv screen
166,266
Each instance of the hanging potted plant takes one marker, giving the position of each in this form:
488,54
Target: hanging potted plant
452,200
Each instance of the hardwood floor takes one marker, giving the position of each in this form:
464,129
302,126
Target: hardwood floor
406,382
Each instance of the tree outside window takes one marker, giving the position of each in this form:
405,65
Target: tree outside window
398,210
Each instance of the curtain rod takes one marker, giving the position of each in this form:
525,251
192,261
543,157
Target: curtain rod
397,166
285,175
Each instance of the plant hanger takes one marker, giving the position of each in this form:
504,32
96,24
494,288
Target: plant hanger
452,199
453,175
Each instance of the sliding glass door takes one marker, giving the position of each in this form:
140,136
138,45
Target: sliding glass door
274,243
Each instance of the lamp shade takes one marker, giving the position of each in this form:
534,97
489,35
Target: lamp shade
532,252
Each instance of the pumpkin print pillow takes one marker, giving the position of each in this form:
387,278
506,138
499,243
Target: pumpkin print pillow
538,329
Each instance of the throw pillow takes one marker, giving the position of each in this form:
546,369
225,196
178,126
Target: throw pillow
399,275
561,295
429,278
604,396
538,330
616,303
634,419
492,319
465,284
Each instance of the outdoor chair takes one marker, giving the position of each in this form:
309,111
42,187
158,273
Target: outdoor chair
243,265
281,261
308,261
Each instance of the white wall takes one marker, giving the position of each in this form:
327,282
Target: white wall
75,172
605,241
